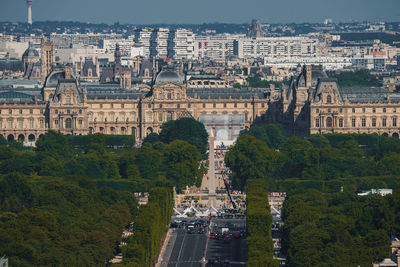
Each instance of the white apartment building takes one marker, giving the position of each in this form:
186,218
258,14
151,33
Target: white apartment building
125,45
66,40
183,47
215,47
277,47
143,36
79,52
163,42
328,63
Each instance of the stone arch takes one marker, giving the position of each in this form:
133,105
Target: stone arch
123,130
222,134
91,131
385,134
112,130
395,135
10,138
101,129
40,135
31,138
21,138
149,130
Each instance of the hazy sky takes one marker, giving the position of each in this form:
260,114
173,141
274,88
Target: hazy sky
199,11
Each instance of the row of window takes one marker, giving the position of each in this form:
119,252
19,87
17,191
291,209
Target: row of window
68,111
113,130
18,111
111,117
353,110
235,105
329,122
19,123
68,123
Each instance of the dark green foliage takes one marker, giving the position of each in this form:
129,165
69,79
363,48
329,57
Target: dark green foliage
59,204
272,134
150,225
258,223
54,144
151,138
338,229
361,78
250,157
339,158
186,129
177,161
81,141
60,222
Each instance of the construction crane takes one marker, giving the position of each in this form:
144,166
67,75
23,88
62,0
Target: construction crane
228,190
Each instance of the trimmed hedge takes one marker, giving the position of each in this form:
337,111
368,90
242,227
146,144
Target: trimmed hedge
258,222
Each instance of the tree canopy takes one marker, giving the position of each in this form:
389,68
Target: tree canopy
187,129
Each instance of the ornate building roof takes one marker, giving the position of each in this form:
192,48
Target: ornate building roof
30,52
226,93
168,75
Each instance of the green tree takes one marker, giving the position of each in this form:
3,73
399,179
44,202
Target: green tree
187,129
250,158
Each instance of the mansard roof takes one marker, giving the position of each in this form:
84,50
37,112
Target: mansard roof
226,93
64,84
111,91
369,95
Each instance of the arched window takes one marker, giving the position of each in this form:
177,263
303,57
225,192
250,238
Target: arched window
329,99
31,138
329,122
68,123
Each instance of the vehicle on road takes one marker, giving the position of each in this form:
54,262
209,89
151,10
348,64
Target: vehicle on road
236,234
190,229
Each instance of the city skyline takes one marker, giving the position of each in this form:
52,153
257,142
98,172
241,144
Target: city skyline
179,12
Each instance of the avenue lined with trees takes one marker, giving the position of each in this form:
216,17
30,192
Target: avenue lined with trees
67,201
325,222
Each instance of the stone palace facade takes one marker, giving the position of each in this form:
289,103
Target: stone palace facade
311,104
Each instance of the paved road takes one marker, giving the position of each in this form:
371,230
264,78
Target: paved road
236,250
188,249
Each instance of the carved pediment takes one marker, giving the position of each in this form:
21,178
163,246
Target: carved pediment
169,92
